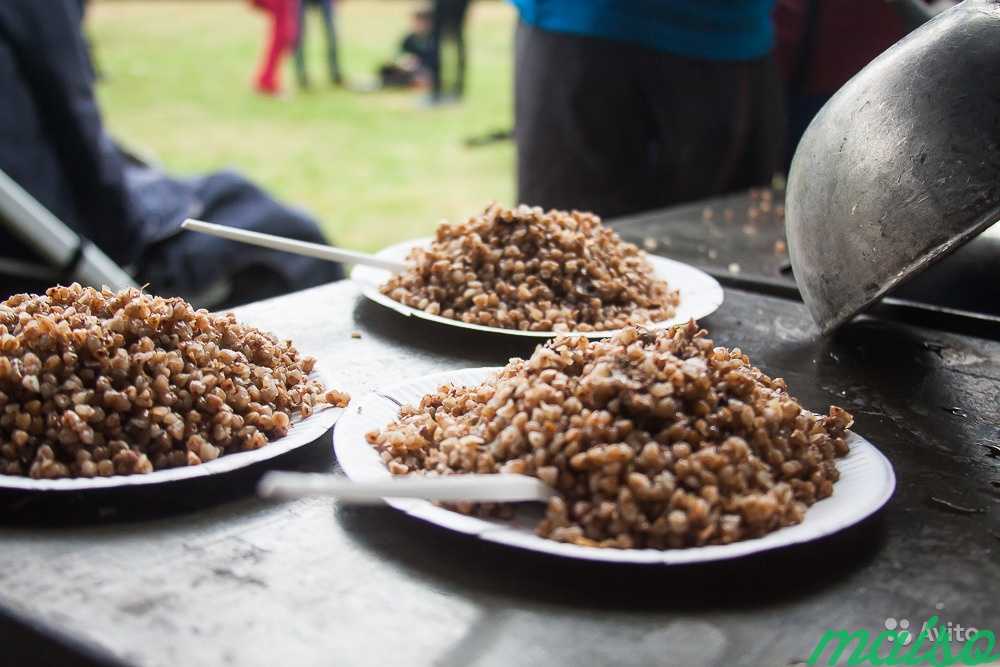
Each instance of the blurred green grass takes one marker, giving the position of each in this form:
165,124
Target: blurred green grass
373,168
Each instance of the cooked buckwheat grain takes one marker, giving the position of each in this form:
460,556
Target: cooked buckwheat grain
94,383
651,439
527,269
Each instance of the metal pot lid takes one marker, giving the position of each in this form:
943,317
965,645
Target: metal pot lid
900,167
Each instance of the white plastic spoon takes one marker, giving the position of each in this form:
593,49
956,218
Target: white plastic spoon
472,488
317,250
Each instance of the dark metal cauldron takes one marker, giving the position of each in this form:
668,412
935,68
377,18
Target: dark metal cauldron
901,167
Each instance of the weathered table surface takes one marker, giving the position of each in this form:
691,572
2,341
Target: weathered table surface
247,582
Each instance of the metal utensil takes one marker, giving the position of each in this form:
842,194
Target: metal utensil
316,250
473,488
56,243
901,167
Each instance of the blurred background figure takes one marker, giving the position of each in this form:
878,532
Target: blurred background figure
330,29
449,62
628,106
823,43
54,145
282,16
416,59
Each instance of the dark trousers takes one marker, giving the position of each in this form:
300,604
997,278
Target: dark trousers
615,128
329,27
448,30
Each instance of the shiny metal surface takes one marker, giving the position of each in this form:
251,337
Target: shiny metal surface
901,167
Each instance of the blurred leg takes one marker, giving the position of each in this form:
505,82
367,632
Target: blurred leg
331,41
461,10
446,36
267,72
300,46
438,26
287,30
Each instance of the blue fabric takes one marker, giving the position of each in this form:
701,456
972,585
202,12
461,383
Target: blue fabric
704,29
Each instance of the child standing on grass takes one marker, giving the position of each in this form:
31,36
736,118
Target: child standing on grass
280,42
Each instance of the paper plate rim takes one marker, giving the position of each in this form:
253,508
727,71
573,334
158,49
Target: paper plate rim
359,460
302,433
369,279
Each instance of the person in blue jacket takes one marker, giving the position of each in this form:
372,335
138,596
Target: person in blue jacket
624,106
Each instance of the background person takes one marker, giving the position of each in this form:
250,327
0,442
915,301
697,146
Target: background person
822,43
417,56
54,145
627,106
448,34
329,27
280,40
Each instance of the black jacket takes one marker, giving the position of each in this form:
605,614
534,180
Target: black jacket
52,141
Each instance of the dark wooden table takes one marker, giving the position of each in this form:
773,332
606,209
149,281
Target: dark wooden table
209,575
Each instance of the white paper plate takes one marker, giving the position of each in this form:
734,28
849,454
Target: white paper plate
700,293
302,432
866,483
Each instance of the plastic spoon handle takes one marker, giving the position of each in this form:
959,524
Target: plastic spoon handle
317,250
473,488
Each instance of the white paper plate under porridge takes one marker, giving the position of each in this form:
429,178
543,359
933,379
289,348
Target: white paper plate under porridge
700,293
866,483
301,433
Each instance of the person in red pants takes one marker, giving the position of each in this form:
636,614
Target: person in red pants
284,28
